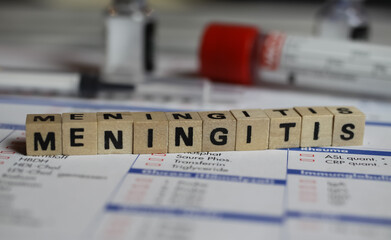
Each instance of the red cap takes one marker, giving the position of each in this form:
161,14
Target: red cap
226,52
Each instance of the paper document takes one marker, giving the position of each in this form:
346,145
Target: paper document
303,193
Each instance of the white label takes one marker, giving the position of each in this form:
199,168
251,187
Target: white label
326,64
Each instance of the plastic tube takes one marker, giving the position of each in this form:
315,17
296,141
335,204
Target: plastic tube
241,54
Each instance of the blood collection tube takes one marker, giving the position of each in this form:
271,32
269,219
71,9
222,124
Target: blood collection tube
242,54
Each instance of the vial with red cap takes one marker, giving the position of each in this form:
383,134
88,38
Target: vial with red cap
244,55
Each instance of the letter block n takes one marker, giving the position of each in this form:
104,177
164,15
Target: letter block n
43,134
219,131
79,134
184,132
285,128
115,132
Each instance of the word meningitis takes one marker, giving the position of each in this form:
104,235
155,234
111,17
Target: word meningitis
176,132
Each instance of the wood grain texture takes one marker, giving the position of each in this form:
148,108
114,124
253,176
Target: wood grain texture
349,125
115,132
316,126
252,129
184,132
219,131
150,133
285,128
43,134
79,131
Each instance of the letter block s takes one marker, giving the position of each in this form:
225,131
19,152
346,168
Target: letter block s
349,124
43,134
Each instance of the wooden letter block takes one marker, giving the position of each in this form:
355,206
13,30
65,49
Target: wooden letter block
43,134
184,132
316,126
115,132
150,132
252,129
349,124
285,128
79,132
219,130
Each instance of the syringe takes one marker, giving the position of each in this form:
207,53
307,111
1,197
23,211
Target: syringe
241,54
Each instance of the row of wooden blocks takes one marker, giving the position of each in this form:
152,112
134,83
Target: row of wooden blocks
173,132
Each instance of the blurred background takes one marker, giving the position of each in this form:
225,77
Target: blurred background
180,22
69,34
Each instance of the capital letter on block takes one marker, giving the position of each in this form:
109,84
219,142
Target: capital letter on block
79,134
150,132
349,124
285,128
252,129
43,134
219,131
115,132
317,126
184,132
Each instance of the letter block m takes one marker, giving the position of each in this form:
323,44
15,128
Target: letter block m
43,134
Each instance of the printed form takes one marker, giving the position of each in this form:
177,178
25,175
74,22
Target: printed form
303,193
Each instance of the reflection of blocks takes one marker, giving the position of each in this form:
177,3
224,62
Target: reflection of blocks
79,133
252,129
43,134
285,128
150,132
349,124
316,126
115,132
219,130
184,132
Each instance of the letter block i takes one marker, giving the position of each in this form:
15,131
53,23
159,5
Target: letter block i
316,126
349,124
285,128
150,132
79,134
115,132
184,132
252,129
43,134
219,131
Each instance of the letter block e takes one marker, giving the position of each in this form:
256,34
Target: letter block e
79,134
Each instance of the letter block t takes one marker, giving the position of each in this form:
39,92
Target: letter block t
150,132
184,132
219,131
349,124
115,132
79,134
43,134
285,128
